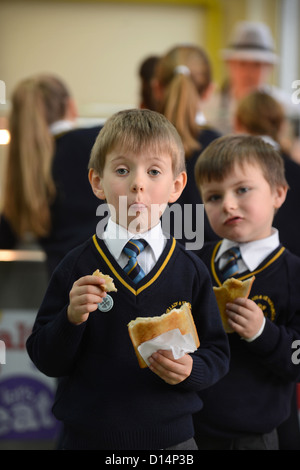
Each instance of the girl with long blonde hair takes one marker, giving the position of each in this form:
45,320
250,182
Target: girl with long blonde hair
46,190
182,82
29,190
183,78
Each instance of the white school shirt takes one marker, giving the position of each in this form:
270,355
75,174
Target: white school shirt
252,253
61,126
115,237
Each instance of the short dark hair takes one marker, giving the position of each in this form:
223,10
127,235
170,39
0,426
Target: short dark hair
219,158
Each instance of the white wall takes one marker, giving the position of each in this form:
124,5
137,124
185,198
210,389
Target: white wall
289,44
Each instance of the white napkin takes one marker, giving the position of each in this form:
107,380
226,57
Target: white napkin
172,340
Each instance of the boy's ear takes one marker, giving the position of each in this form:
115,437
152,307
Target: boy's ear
178,186
96,183
279,196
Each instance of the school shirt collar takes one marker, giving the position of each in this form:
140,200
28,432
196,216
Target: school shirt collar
269,140
116,237
58,127
252,253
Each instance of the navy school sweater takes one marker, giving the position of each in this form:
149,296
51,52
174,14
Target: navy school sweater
104,399
255,396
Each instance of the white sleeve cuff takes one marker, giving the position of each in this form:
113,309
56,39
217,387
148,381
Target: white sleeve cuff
258,333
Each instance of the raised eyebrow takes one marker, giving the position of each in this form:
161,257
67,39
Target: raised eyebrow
118,160
157,161
243,184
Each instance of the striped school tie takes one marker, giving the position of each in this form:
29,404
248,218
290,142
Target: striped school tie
231,266
132,249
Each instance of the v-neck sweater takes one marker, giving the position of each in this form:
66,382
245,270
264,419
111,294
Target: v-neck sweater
104,399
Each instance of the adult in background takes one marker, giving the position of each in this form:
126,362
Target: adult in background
250,60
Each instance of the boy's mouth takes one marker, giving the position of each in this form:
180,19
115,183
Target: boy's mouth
232,220
137,207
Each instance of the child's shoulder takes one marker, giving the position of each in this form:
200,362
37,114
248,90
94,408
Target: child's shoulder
77,134
77,140
191,257
208,249
78,256
292,261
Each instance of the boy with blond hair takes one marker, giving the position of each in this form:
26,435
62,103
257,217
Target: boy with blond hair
242,183
104,399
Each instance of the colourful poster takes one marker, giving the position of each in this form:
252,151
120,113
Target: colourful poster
26,395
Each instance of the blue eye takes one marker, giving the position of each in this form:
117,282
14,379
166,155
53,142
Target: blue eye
243,190
213,198
122,171
154,172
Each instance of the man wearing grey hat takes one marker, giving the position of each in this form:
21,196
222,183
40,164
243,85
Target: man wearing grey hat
250,60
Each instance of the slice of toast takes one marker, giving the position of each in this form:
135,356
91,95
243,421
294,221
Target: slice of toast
144,329
230,290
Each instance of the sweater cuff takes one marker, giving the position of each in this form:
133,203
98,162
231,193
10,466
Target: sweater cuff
249,340
194,381
267,341
68,333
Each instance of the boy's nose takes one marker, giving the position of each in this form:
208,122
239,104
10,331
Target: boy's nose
137,184
136,187
229,203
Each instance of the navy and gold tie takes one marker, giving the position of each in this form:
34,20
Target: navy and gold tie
132,249
231,266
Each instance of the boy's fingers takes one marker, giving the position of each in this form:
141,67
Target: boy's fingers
164,358
166,353
90,280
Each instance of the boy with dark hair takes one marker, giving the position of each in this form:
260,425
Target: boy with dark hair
242,183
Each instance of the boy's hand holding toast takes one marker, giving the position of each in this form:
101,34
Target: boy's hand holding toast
244,317
88,291
85,295
238,313
172,371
